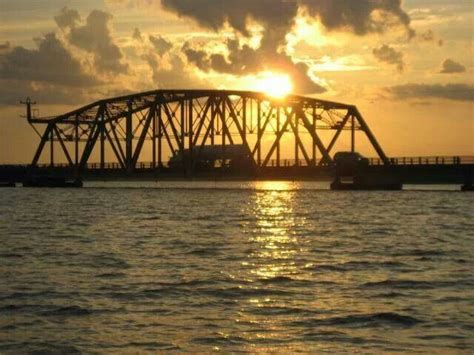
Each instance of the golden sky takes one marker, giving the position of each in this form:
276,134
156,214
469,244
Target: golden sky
408,65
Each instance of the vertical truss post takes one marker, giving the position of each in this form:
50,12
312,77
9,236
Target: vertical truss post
190,132
278,128
102,141
153,138
213,113
182,133
259,133
313,146
244,121
76,142
51,146
223,131
160,138
278,137
298,143
297,139
129,137
352,134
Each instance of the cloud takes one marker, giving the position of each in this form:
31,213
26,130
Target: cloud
450,67
277,18
161,45
361,16
457,92
176,76
48,73
244,60
95,37
50,63
389,55
67,18
137,35
12,91
5,47
427,36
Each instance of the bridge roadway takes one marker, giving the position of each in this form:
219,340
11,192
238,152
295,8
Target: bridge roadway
407,170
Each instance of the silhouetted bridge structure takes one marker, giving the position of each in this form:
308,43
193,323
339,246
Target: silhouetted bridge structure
196,133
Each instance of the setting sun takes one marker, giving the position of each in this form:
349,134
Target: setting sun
274,85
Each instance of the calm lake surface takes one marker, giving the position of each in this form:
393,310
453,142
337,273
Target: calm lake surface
264,266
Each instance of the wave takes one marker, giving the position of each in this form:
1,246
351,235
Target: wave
11,255
68,311
151,346
203,251
279,310
358,265
284,280
364,320
409,284
40,348
420,252
238,292
111,275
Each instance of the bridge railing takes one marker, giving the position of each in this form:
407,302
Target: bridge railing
426,160
288,163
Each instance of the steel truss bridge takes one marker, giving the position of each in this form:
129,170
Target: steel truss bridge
291,138
179,120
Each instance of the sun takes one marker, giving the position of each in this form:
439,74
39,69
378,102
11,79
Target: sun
274,85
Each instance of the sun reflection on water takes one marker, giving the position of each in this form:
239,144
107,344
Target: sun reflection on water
272,260
274,238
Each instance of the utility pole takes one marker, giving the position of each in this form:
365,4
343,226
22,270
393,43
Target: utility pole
28,103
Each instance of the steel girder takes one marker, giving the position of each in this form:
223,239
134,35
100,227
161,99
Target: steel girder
174,120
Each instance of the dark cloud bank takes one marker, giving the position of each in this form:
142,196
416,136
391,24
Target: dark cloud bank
64,78
50,72
389,55
450,67
93,37
457,92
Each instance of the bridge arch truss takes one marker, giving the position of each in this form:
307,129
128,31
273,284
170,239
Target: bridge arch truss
176,120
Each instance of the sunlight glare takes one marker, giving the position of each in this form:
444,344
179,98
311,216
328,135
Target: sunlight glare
274,85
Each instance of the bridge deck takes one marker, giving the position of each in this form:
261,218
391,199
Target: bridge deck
420,170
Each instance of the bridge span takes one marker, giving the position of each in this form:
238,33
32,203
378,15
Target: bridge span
197,133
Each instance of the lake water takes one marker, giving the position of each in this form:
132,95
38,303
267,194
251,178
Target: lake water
264,266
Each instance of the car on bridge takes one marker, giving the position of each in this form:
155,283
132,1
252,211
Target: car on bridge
349,163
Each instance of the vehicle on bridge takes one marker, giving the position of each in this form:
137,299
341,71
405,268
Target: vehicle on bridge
349,163
233,156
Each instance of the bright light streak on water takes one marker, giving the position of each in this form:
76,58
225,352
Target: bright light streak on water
266,266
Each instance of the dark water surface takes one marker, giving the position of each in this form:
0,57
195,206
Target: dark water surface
237,267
